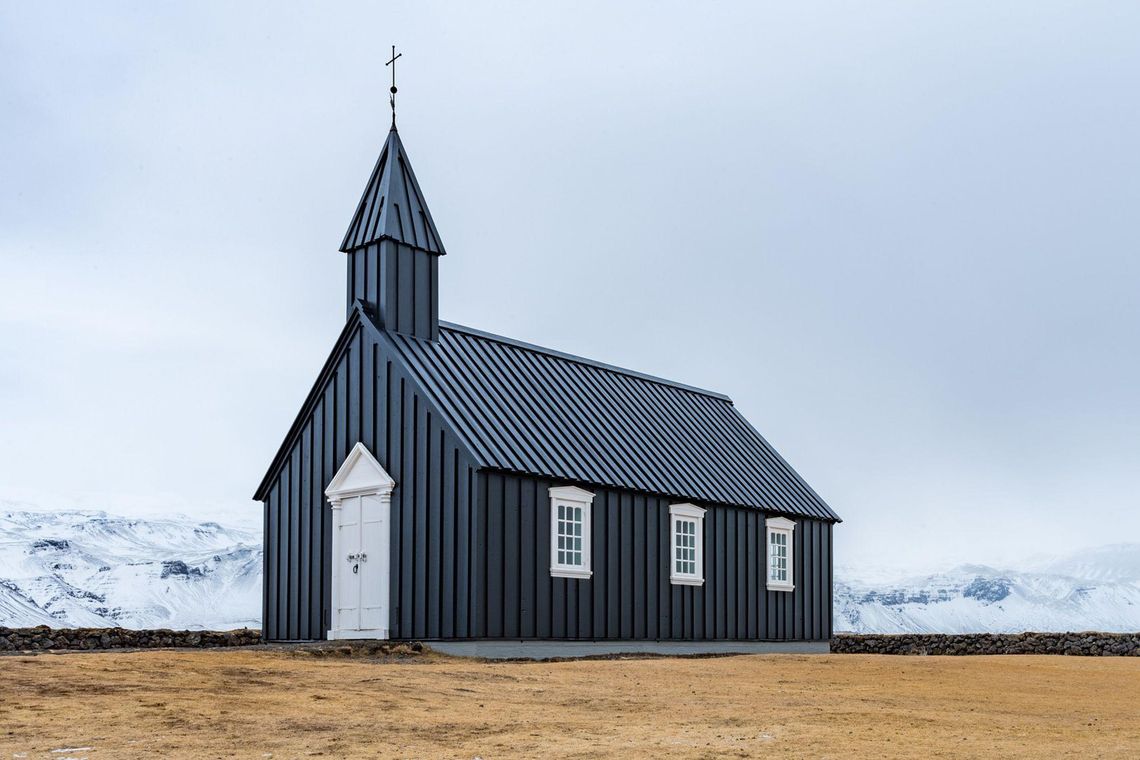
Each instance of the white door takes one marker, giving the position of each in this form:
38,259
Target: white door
374,564
361,499
346,598
360,600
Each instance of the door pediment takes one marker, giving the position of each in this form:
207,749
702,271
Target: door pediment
359,474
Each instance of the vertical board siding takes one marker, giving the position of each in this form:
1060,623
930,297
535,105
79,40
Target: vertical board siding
528,562
399,283
304,606
366,396
404,456
629,595
272,571
294,612
317,543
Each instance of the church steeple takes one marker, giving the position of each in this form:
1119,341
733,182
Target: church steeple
393,247
393,206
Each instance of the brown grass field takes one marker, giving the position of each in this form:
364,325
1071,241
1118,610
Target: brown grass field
281,703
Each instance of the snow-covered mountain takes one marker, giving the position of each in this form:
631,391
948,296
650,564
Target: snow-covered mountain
82,568
1092,590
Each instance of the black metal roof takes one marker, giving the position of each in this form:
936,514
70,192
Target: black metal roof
524,408
393,207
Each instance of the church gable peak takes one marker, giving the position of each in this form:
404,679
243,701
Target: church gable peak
393,206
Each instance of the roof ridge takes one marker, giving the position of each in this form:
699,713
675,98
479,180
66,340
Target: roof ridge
581,360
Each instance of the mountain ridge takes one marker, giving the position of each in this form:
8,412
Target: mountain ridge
90,568
1092,589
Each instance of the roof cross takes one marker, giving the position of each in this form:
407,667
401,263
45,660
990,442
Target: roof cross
392,97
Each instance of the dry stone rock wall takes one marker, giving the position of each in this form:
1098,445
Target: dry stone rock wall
43,638
1088,644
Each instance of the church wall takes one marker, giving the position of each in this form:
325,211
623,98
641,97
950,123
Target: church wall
629,595
365,395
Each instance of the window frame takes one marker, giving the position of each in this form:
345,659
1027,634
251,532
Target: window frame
571,496
687,513
787,528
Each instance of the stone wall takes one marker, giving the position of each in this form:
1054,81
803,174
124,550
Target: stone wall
44,638
1090,644
1093,644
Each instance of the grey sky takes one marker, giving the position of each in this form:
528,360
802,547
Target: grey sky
902,236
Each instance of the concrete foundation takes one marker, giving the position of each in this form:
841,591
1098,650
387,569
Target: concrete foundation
546,650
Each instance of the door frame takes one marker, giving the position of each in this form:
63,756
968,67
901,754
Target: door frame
360,475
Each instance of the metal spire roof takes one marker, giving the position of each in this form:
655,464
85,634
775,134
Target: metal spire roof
393,206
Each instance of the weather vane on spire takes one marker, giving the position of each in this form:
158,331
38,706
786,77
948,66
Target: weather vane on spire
392,97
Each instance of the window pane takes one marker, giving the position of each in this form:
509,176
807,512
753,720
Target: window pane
568,532
685,546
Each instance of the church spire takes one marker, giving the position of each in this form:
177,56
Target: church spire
392,245
393,206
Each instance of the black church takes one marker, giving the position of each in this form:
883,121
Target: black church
494,497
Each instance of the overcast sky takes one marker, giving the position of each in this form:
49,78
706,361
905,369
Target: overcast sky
902,236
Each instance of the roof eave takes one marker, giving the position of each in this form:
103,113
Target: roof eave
680,497
346,248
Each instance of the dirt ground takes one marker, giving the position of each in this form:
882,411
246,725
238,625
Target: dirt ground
257,703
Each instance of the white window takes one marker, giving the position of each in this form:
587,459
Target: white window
687,529
780,547
570,532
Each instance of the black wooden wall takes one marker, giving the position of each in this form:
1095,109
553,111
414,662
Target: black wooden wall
629,595
364,395
399,283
